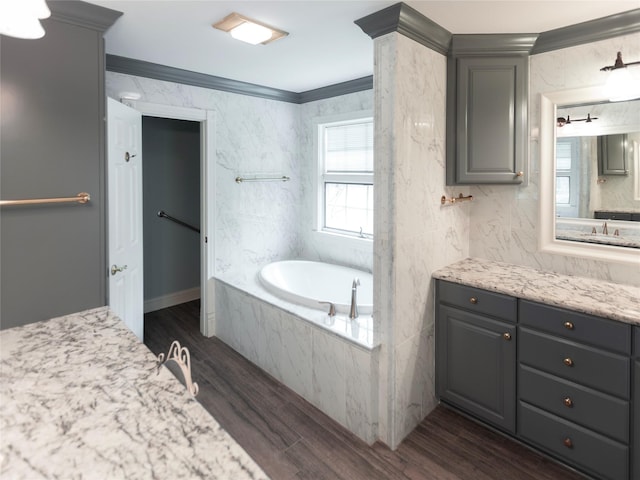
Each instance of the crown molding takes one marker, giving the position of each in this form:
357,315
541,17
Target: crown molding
83,14
409,22
624,23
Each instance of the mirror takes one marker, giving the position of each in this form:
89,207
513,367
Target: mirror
596,173
580,189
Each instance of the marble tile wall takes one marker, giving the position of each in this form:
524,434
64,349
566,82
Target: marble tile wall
504,219
318,246
333,374
414,233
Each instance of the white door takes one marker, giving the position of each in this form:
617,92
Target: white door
125,251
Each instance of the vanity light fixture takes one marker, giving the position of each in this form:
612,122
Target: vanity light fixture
561,121
21,19
248,30
621,84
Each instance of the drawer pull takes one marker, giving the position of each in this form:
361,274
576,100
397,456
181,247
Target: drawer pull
506,336
567,402
568,442
568,362
569,325
473,300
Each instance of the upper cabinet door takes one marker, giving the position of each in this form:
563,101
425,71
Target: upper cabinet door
487,98
612,155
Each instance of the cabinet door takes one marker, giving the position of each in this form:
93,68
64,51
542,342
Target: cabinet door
491,120
476,365
636,414
612,155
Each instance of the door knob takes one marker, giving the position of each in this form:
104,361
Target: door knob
115,269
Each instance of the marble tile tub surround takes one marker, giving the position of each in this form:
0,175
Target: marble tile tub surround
504,219
337,376
594,297
81,399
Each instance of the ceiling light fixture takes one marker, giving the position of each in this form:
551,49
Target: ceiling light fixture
22,19
621,85
248,30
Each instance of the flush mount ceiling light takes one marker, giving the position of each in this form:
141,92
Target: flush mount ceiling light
621,85
248,30
22,19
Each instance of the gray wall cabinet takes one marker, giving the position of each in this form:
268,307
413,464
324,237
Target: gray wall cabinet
571,384
53,145
612,155
487,99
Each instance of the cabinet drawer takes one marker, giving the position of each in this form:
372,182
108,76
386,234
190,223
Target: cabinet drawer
478,300
604,371
605,458
576,326
582,405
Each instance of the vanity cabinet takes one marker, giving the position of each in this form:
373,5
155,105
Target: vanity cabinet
487,98
476,353
574,388
635,465
612,155
565,387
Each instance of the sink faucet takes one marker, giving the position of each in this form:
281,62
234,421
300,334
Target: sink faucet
605,231
353,312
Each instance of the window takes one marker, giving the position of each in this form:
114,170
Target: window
567,187
345,177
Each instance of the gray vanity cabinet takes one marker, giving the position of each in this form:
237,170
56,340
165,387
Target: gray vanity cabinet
569,386
635,466
476,353
612,155
574,388
487,109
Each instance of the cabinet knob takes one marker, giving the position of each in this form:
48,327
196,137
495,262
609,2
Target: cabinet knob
569,325
567,402
506,336
520,174
568,442
568,362
473,300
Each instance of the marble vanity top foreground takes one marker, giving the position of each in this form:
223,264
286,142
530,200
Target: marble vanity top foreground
596,297
80,399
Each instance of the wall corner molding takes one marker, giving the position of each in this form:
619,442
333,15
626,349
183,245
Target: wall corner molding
409,22
83,14
624,23
490,44
343,88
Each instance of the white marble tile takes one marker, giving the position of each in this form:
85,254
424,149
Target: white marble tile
329,380
361,371
297,372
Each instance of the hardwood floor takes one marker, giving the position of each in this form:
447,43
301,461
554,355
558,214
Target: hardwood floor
291,439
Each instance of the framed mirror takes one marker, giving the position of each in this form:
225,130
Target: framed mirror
590,176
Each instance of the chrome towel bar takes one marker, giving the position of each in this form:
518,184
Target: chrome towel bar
283,178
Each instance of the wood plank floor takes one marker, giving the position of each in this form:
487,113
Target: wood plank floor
291,439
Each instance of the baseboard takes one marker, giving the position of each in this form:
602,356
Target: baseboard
171,299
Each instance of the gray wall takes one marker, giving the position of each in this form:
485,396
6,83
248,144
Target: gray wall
171,182
52,257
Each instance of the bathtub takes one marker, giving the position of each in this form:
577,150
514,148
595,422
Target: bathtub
309,283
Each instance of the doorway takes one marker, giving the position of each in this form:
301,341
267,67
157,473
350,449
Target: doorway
171,200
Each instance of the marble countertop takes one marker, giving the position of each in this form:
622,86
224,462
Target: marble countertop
80,397
596,297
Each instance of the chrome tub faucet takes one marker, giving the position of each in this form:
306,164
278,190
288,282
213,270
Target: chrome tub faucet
353,312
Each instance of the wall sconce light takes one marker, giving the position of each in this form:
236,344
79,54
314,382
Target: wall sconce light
561,121
248,30
620,84
21,19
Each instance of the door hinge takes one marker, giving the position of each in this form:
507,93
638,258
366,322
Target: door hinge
206,239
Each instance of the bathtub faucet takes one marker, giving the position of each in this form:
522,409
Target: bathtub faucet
353,312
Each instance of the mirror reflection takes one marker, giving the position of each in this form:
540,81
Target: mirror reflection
597,196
